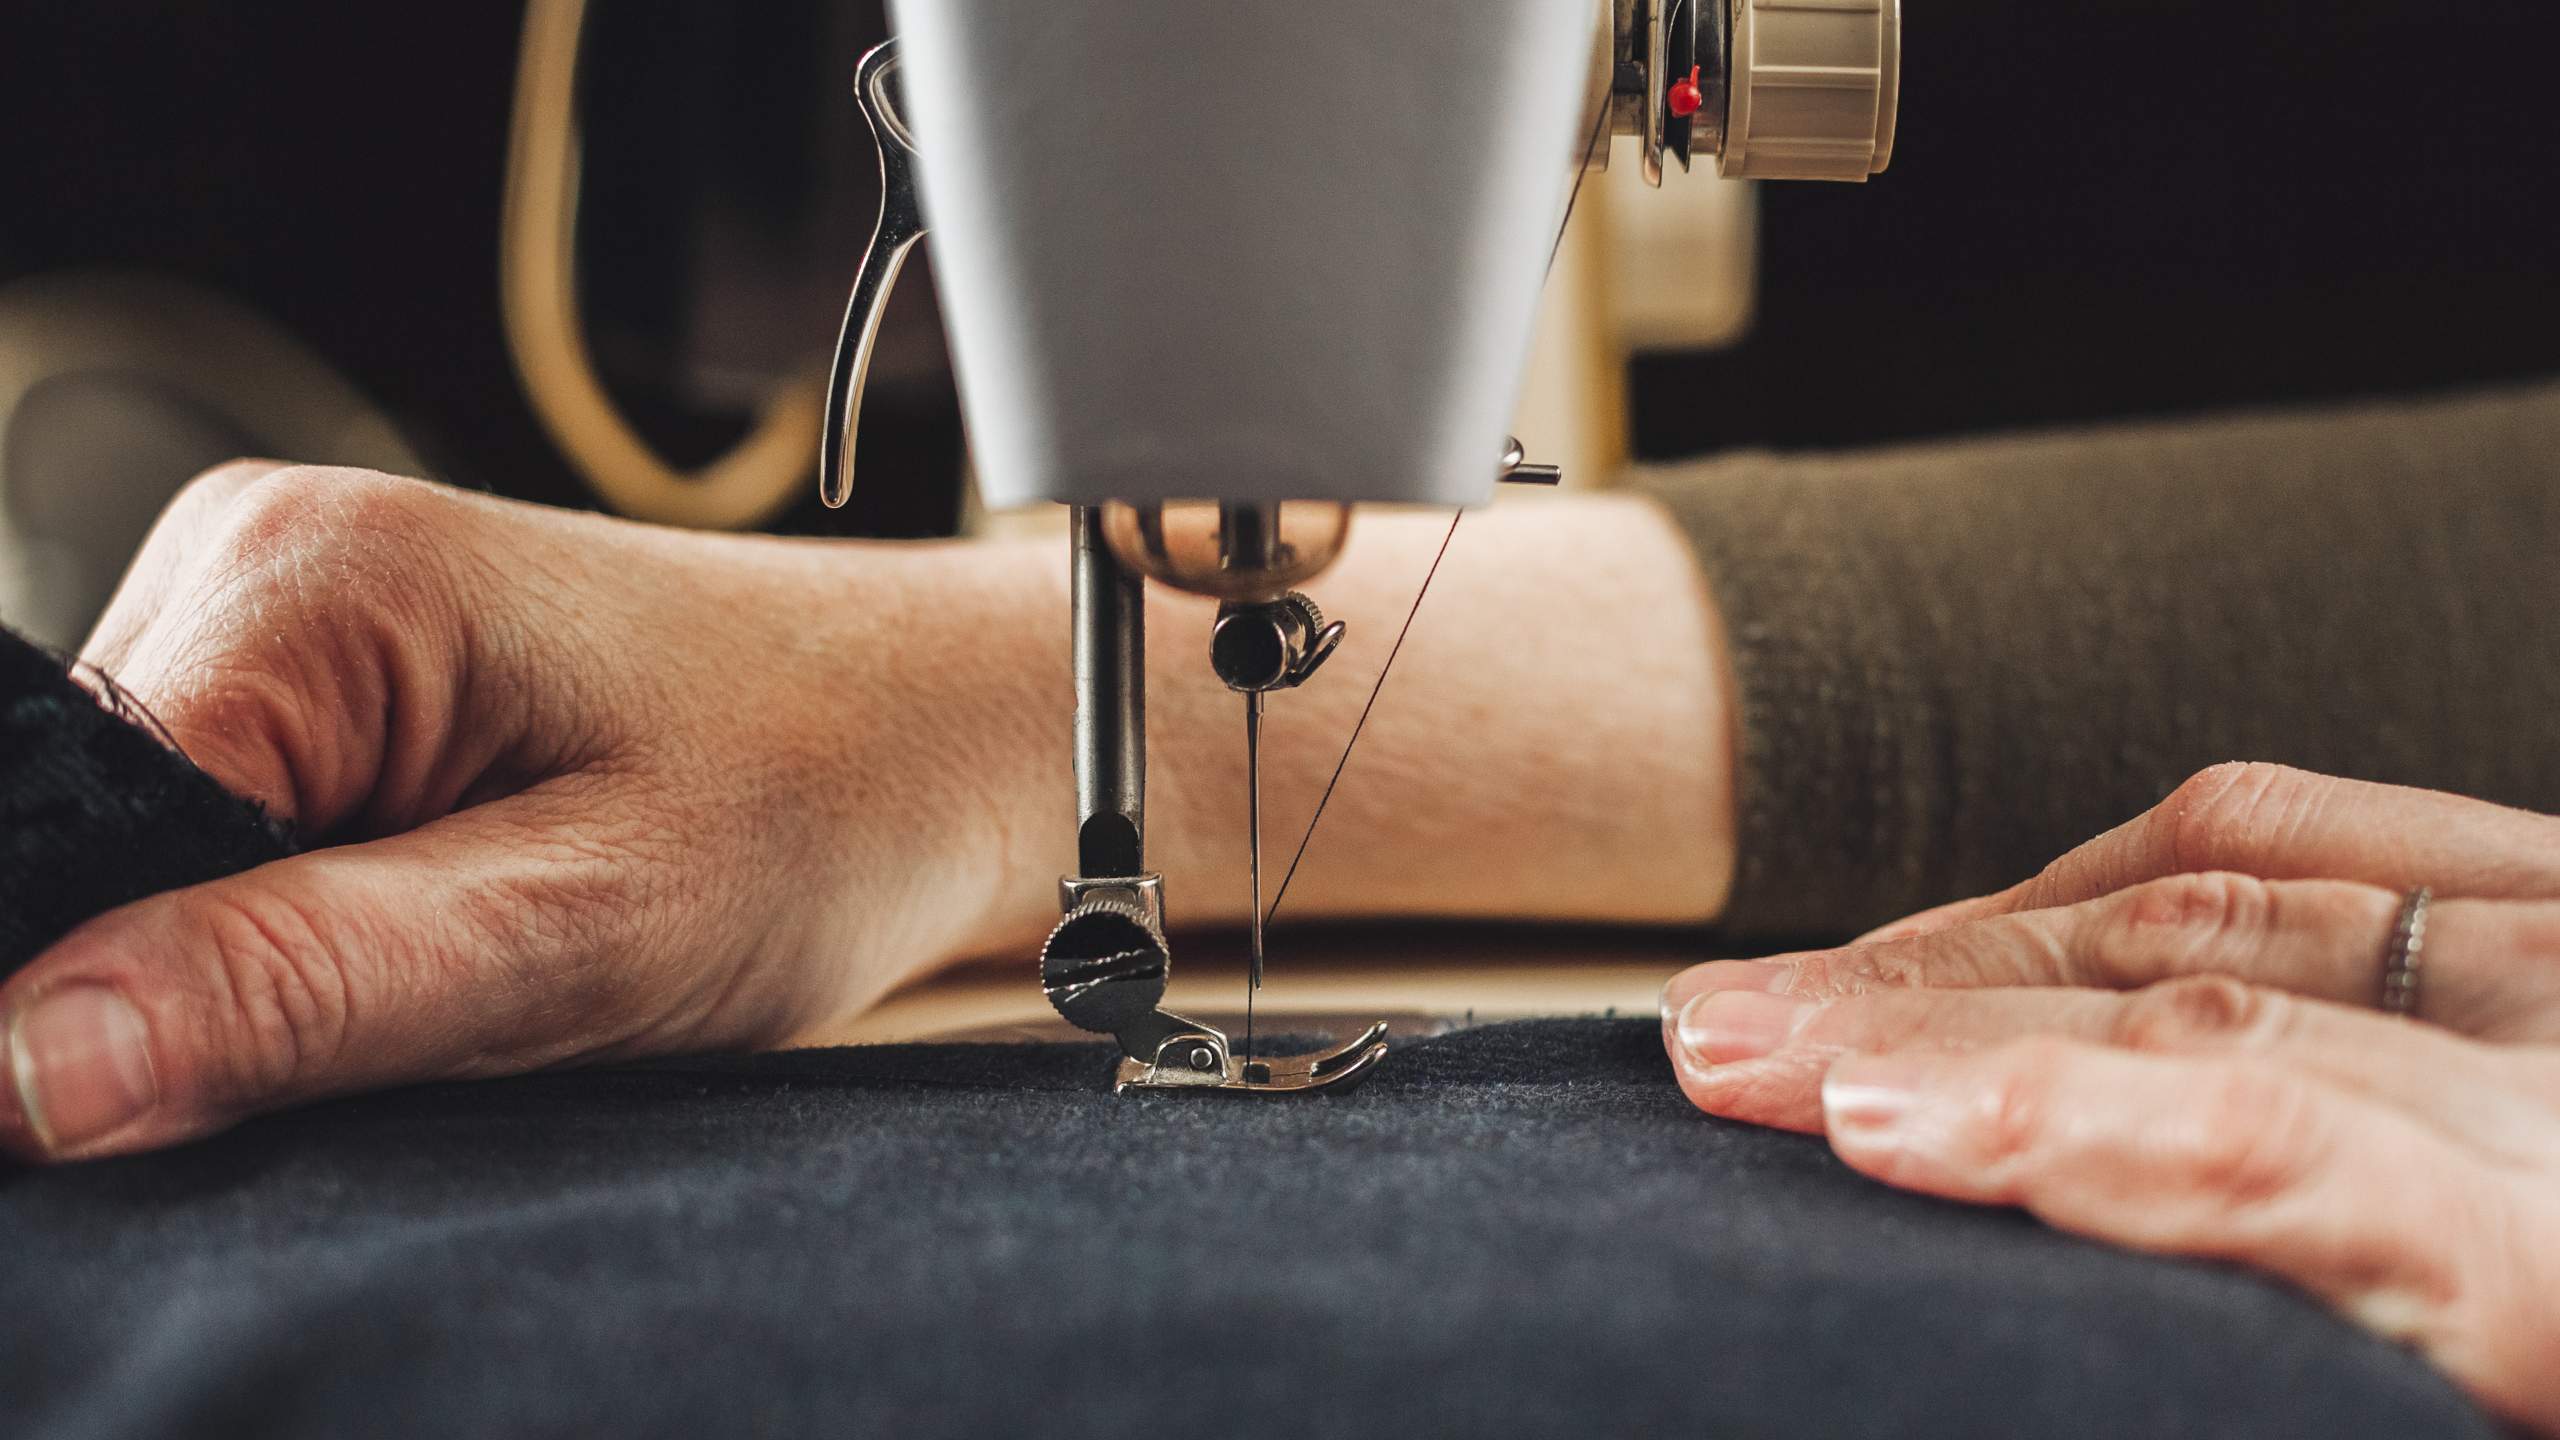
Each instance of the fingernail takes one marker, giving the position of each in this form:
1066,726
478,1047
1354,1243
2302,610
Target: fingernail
1724,1026
1766,976
1890,1115
1905,1120
81,1060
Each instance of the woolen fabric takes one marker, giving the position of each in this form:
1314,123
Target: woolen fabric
1518,1231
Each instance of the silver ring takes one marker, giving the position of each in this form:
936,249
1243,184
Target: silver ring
2407,955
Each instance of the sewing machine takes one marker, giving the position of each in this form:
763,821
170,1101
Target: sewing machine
1214,273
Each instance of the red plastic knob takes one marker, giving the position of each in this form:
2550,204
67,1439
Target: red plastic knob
1686,97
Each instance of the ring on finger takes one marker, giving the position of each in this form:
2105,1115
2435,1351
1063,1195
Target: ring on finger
2405,957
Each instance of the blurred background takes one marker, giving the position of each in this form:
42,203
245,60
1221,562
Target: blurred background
277,228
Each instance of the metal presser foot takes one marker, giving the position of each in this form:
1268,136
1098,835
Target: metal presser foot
1198,1058
1105,968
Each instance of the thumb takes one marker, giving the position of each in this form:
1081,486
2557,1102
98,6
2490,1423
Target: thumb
466,947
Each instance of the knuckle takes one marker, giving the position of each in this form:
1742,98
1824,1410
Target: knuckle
212,491
2536,938
239,718
2017,1109
298,508
2179,925
2250,1135
279,1005
1964,957
2226,814
1839,974
1822,976
2255,1137
2194,1011
342,561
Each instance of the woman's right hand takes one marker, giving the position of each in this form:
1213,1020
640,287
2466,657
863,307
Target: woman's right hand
588,789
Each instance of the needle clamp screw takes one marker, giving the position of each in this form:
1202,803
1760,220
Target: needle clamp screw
1271,646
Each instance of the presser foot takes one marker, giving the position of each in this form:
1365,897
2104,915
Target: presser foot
1198,1058
1105,967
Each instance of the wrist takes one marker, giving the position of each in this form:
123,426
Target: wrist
972,711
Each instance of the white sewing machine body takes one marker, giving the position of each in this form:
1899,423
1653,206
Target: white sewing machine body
1268,252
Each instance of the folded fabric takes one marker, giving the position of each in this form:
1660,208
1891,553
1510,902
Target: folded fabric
96,811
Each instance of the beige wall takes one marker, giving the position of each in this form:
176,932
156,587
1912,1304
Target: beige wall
1668,269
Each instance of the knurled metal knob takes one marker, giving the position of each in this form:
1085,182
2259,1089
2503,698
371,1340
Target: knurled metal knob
1105,966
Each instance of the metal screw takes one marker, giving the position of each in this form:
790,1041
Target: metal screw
1203,1058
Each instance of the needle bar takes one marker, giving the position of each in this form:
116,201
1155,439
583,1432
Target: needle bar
1253,823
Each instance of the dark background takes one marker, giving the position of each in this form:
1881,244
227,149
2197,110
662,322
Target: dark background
2105,208
2097,209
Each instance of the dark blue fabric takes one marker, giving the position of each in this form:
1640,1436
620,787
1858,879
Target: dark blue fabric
1513,1231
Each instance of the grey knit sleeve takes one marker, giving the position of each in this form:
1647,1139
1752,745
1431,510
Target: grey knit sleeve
1957,661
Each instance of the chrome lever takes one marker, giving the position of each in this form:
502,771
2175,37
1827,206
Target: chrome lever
901,226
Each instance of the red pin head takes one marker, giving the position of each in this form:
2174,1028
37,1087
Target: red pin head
1685,96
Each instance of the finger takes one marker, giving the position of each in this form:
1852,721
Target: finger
2276,822
483,943
1761,1058
1937,918
2279,823
2492,968
294,631
2225,1158
186,528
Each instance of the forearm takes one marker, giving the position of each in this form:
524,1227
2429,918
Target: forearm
1955,661
1554,742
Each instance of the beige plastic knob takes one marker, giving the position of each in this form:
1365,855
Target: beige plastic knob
1816,84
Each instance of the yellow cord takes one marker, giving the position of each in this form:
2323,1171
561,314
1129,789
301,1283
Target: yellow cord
539,294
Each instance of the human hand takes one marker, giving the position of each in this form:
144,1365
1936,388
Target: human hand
592,790
2169,1040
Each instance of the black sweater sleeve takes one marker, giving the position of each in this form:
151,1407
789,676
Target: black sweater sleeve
1955,662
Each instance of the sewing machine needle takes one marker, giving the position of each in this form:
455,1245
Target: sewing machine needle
1253,851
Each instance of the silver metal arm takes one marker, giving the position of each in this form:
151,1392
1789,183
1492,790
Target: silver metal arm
901,226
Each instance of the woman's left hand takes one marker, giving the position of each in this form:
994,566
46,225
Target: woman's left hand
2171,1039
